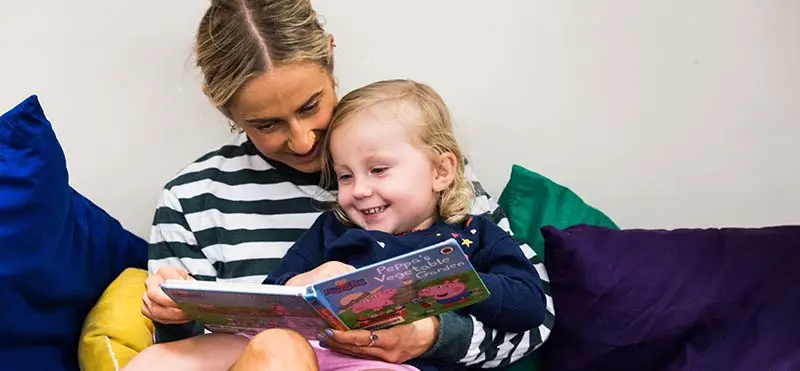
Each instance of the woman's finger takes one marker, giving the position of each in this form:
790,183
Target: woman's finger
359,352
156,294
146,307
357,338
172,273
159,307
395,344
354,350
160,314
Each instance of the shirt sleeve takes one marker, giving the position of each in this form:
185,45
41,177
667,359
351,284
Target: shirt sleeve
172,243
517,302
307,253
488,347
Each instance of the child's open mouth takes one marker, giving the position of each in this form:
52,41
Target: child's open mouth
374,210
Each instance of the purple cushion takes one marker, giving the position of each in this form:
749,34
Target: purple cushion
711,299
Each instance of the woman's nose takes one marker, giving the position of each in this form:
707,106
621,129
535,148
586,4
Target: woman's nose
301,140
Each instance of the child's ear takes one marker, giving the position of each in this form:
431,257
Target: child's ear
444,171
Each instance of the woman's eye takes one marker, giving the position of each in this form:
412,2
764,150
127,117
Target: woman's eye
267,126
311,108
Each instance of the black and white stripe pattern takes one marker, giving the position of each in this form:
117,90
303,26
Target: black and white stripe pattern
491,348
231,216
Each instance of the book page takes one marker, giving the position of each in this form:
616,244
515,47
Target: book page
247,308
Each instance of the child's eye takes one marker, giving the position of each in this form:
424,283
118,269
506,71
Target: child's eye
344,177
379,170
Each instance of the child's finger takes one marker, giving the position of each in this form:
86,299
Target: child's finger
344,269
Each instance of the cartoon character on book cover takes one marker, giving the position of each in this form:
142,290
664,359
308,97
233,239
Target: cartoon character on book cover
403,291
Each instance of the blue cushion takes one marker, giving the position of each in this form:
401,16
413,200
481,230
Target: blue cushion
58,250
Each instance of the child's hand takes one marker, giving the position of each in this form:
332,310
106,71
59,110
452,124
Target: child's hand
326,270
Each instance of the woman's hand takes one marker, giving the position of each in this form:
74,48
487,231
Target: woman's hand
326,270
395,345
156,305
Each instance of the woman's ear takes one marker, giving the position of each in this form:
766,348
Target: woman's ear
444,171
332,47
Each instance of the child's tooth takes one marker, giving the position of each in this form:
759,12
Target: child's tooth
374,210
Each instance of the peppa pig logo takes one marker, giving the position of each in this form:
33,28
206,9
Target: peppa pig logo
344,286
448,292
376,301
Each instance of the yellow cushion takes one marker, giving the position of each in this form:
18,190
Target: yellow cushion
115,330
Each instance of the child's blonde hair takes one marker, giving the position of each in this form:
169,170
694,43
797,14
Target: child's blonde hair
434,131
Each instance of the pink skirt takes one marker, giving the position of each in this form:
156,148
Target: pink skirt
330,360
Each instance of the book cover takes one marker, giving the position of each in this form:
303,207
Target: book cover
423,283
404,289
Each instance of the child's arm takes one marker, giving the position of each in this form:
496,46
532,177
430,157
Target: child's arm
304,263
517,301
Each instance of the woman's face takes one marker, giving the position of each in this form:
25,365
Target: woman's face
285,112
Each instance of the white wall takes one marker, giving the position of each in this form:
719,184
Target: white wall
663,114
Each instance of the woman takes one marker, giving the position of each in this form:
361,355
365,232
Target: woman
233,213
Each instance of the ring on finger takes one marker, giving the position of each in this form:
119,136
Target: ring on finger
373,338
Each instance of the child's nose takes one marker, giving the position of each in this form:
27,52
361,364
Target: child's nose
362,189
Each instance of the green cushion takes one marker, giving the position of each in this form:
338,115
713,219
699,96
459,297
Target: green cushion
532,201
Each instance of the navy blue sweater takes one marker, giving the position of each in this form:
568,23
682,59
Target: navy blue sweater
516,303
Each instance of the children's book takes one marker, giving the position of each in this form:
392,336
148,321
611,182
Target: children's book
423,283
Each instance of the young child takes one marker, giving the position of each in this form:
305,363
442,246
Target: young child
401,186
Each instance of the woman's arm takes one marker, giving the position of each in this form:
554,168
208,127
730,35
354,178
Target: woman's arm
517,302
172,244
483,346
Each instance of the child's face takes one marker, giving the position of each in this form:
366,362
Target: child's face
386,183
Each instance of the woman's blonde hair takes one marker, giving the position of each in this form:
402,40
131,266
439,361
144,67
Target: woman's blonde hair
239,39
433,129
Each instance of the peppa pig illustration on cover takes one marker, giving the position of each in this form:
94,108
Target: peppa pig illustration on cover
447,293
404,289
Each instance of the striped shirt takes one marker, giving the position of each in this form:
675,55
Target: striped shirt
232,215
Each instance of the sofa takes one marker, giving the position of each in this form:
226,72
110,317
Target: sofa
71,277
